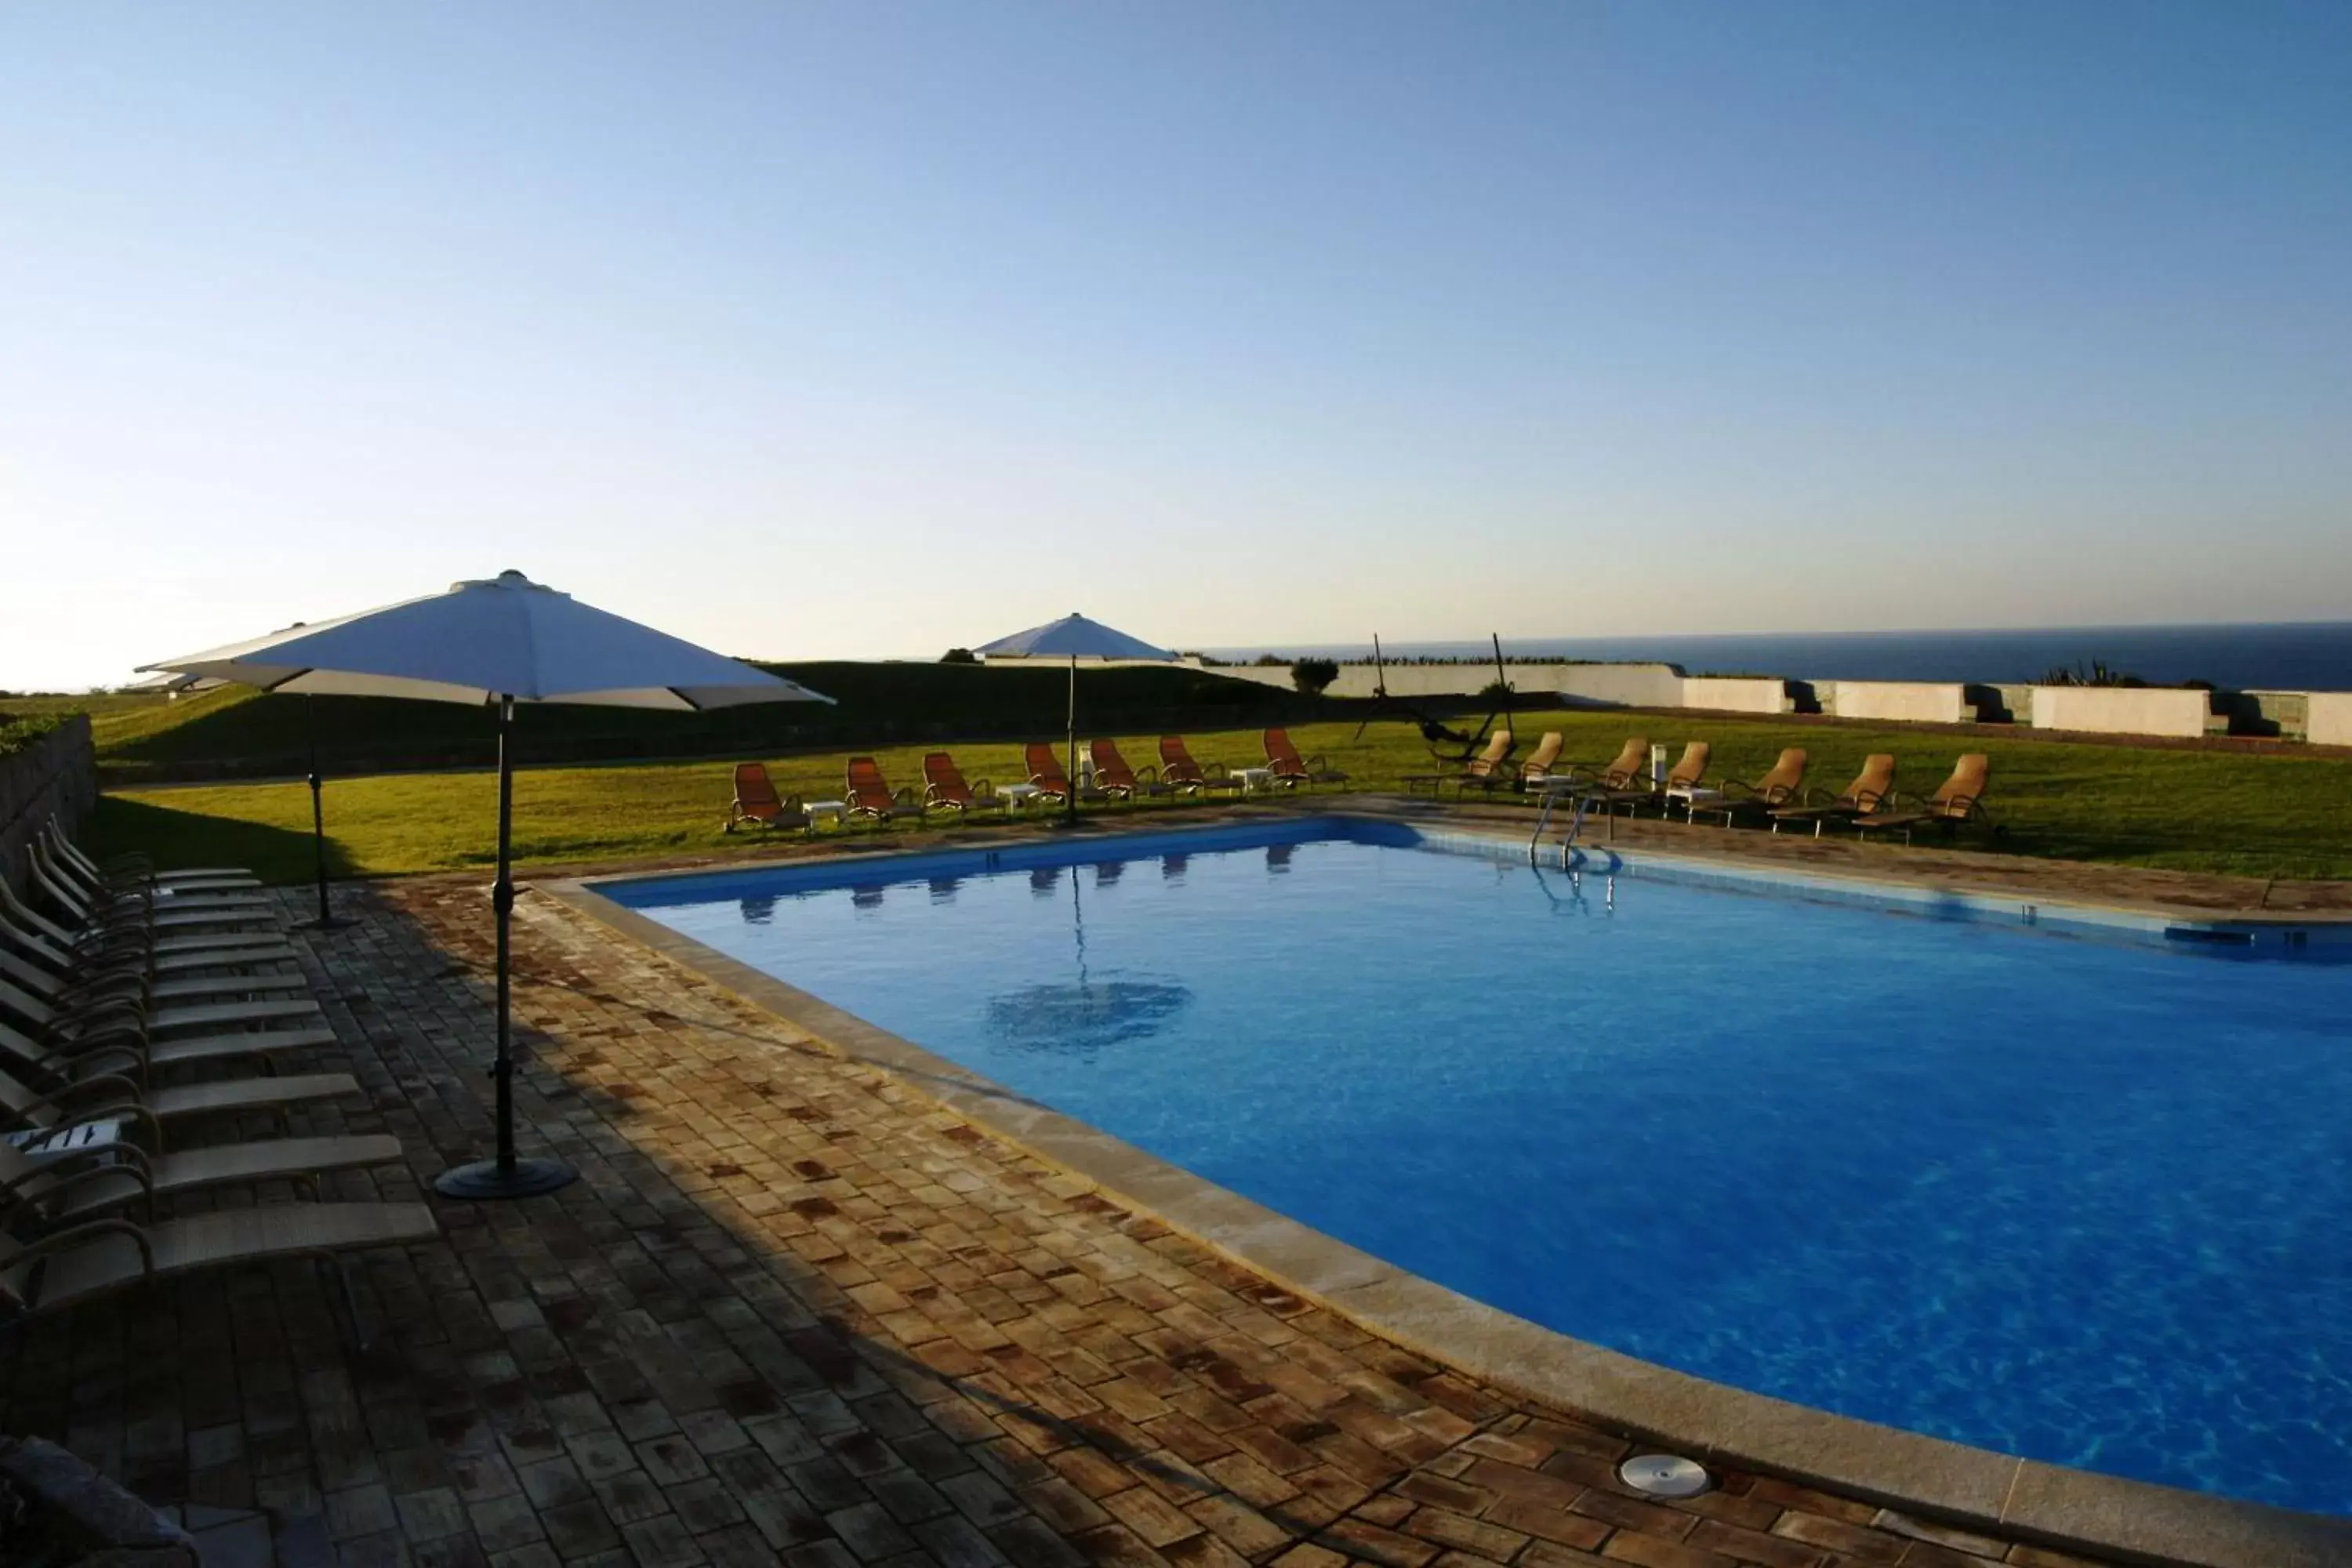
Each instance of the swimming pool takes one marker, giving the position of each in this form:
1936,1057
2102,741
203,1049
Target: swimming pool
2079,1201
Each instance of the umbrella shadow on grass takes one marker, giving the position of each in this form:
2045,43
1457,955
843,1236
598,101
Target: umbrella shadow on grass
175,838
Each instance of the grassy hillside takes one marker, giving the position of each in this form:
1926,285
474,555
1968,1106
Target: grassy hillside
236,732
2287,817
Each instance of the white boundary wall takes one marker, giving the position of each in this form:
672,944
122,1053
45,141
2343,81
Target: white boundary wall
2120,710
2331,719
1735,694
1909,701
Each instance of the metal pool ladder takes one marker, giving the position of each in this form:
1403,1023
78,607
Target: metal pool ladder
1543,820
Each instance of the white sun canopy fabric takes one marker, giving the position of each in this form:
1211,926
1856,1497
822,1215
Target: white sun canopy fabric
1072,636
507,637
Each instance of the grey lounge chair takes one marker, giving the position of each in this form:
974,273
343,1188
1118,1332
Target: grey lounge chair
123,1016
137,869
87,988
145,908
264,952
110,1095
99,1257
94,941
135,1060
81,1187
51,850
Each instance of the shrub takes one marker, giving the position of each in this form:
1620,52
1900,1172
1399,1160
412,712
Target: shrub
1496,691
1269,661
17,734
959,656
2098,673
1312,675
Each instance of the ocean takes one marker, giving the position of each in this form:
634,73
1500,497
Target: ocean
2309,656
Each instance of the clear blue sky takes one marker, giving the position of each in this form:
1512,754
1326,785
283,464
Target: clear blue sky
869,330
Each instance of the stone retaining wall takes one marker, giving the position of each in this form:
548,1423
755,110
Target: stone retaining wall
1907,702
55,776
2122,710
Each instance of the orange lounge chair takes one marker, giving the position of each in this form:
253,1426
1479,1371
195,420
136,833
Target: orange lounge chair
1544,761
1115,778
1290,770
1046,771
1871,790
1180,773
869,794
1640,791
1778,786
757,802
1958,800
944,788
1475,772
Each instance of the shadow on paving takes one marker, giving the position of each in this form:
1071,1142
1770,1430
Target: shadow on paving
791,1311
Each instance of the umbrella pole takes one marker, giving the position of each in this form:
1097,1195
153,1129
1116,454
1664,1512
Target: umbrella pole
505,1176
1070,801
325,920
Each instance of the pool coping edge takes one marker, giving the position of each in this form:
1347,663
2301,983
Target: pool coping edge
2048,1504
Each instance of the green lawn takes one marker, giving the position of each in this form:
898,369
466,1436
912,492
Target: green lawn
2285,817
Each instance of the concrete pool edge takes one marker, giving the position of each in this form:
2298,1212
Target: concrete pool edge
1929,1477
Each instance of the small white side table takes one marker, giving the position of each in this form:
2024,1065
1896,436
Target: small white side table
1018,796
1254,779
836,809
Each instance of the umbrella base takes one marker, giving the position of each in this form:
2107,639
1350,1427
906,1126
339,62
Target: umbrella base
484,1180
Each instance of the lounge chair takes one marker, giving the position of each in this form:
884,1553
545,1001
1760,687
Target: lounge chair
1778,786
1044,764
1544,761
35,1099
1180,773
133,915
1289,769
52,853
944,788
1115,778
1957,801
71,990
1473,774
128,870
757,802
167,968
99,1257
1684,775
50,1190
1863,797
66,1021
133,1057
869,794
93,943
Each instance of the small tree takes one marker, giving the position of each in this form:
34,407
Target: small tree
1311,676
959,656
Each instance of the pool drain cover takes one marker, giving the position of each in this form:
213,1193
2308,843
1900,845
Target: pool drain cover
1664,1475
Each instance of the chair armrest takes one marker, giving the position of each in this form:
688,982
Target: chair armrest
89,1230
1148,774
982,789
90,1168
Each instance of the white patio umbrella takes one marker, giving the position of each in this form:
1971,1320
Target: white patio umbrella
494,643
1077,637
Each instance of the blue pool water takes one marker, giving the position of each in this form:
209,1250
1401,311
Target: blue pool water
2086,1202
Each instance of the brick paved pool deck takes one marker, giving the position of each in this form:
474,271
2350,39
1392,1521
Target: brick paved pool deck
795,1310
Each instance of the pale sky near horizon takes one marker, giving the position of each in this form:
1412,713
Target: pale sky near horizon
844,331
